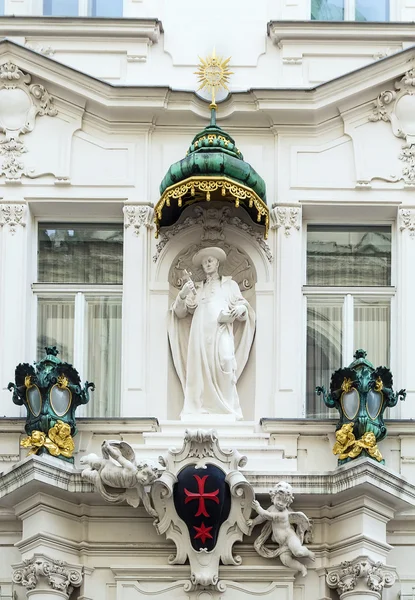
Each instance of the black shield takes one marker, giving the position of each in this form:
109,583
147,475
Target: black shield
203,501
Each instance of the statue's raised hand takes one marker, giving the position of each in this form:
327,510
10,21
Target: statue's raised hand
188,287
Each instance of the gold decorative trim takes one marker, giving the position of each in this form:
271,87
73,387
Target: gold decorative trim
350,417
58,441
208,185
32,385
60,387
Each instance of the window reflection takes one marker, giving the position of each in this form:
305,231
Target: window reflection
372,10
327,10
60,8
105,8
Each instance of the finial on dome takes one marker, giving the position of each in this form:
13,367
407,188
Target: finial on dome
213,74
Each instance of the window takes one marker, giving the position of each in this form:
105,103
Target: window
105,8
349,296
60,8
1,7
79,304
351,10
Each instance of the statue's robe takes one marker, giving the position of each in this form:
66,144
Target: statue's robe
208,355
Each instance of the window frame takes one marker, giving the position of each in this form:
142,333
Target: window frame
79,291
350,13
380,292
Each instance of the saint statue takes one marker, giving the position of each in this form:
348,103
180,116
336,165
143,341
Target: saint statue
211,330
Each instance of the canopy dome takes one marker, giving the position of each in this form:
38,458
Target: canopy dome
213,169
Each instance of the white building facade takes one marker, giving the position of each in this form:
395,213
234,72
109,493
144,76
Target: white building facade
97,101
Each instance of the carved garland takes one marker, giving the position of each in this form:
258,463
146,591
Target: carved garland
208,185
397,107
20,104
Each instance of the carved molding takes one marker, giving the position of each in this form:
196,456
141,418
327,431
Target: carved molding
407,221
12,215
397,107
201,450
213,222
288,217
138,216
360,574
40,571
20,104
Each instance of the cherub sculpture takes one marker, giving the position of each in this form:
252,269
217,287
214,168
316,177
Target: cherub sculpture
124,479
286,528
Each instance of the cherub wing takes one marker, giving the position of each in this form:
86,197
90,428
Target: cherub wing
301,524
125,449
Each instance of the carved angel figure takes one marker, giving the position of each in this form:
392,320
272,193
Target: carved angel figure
117,476
286,528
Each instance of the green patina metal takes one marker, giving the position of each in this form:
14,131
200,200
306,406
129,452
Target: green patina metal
361,393
214,158
50,391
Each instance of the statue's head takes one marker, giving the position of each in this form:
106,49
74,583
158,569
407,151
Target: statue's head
209,259
282,495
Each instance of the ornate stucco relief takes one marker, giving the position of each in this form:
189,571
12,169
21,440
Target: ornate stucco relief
288,217
363,574
407,221
40,571
138,216
397,107
20,104
12,215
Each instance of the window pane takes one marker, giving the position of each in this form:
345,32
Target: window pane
327,10
324,349
103,354
372,329
372,10
105,8
80,253
348,255
55,326
60,8
1,7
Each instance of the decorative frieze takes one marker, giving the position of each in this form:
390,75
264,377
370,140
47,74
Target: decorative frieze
138,216
20,104
288,217
41,571
212,221
361,574
12,215
407,221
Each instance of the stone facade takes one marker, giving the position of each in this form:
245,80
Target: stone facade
91,118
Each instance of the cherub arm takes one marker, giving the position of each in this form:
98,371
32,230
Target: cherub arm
263,515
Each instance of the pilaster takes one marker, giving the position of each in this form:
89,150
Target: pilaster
47,578
14,295
360,579
286,223
405,313
138,222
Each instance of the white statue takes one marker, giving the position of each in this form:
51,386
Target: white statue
211,331
280,523
123,481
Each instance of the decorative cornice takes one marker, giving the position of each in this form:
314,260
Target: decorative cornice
407,221
41,570
12,215
288,217
137,216
362,573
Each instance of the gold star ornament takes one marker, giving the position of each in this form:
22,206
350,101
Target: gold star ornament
213,74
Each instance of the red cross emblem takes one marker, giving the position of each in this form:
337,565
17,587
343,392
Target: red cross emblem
201,495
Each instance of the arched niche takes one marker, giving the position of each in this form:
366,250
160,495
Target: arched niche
250,264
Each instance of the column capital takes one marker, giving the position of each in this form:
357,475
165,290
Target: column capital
137,216
407,220
41,571
12,215
288,217
360,574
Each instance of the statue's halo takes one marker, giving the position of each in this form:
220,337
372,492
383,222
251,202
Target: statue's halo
205,252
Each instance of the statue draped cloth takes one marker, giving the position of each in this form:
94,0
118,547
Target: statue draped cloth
209,355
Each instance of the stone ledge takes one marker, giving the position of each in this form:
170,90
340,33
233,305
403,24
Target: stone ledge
35,474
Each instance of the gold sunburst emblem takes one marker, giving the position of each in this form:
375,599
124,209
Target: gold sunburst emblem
213,74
